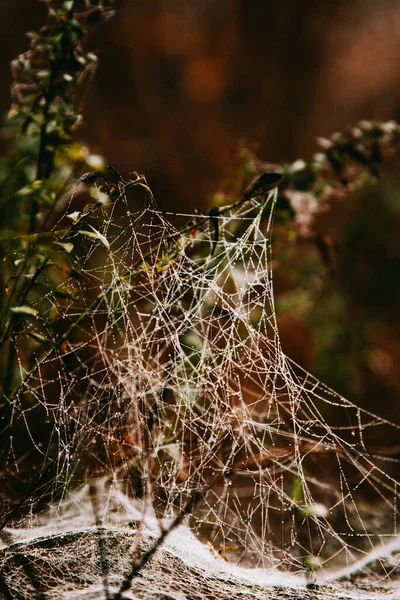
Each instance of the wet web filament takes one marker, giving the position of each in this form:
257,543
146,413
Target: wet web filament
178,381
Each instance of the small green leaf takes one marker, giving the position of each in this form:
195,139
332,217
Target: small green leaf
96,234
74,216
30,188
25,191
44,74
25,310
57,292
66,246
39,338
88,234
33,35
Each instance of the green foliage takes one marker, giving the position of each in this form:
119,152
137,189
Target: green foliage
43,159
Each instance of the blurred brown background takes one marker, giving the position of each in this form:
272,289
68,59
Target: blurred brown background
181,84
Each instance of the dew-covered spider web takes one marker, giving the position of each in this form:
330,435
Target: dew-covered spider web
170,380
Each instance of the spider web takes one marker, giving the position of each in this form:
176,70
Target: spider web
177,382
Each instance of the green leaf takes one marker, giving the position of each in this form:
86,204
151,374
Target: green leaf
30,188
66,246
48,198
96,234
57,292
44,74
30,237
74,216
25,310
33,35
38,337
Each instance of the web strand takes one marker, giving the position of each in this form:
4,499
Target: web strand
177,377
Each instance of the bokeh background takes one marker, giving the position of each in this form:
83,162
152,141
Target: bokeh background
182,85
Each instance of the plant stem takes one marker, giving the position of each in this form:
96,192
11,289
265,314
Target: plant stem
8,379
40,170
194,498
40,270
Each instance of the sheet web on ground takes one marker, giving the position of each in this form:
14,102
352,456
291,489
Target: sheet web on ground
177,382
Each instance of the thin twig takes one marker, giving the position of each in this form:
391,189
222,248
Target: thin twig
104,563
139,564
